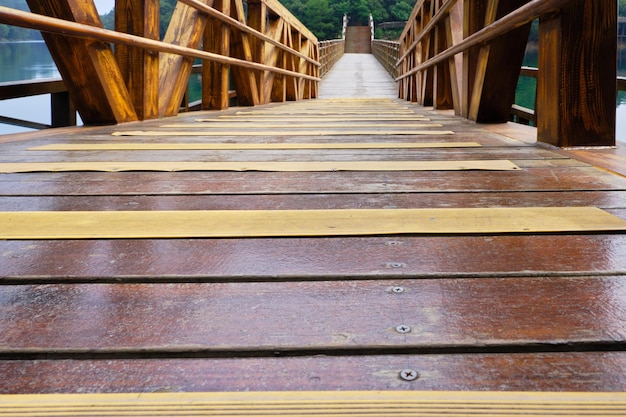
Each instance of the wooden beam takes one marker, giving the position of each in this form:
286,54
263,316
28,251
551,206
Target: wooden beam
491,71
245,80
576,91
88,67
140,68
215,76
186,29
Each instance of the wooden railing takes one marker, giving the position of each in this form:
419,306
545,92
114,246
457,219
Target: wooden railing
387,53
330,52
466,55
271,55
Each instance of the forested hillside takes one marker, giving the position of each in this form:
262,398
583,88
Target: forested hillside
322,17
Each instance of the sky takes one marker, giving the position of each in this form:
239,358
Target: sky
104,6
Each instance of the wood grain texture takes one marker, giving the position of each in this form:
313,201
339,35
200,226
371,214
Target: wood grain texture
574,371
533,311
337,317
577,54
89,68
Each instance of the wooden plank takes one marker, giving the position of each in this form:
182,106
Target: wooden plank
579,67
607,200
161,183
589,371
88,68
186,28
298,259
313,403
139,67
473,315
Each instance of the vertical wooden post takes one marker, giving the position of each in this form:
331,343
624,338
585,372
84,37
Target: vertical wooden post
576,89
442,82
490,72
140,68
214,75
63,110
257,19
186,29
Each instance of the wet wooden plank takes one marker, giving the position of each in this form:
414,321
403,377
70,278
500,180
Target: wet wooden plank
588,371
602,199
306,259
159,183
384,154
261,319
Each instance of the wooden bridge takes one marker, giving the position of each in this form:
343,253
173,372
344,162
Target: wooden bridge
356,254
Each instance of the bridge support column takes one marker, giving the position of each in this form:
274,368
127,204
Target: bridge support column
576,89
139,67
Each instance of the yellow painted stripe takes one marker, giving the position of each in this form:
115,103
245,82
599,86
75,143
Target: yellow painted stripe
171,166
336,403
245,146
347,132
296,125
276,223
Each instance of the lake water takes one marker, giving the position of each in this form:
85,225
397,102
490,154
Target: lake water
31,60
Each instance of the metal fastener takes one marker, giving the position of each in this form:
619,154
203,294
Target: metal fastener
397,290
395,265
409,375
403,328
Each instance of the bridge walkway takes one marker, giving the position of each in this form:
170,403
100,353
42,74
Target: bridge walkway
330,244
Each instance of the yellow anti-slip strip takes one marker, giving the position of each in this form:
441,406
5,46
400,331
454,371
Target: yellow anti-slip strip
245,146
173,166
347,132
335,403
279,223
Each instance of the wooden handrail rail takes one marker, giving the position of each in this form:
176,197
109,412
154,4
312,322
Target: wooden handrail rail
445,8
53,25
19,89
466,56
247,29
513,20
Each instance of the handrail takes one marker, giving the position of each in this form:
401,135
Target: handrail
271,56
445,8
513,20
466,56
387,54
247,29
53,25
330,52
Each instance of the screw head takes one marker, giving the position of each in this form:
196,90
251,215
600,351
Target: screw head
409,375
403,328
397,290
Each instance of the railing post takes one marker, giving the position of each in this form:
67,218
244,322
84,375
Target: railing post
140,68
63,112
215,76
576,89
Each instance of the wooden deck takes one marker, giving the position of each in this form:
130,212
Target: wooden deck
490,310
